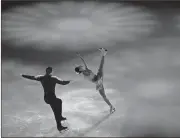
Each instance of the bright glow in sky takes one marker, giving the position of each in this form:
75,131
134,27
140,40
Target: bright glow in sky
75,25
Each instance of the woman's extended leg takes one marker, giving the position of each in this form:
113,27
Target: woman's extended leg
100,80
100,70
102,93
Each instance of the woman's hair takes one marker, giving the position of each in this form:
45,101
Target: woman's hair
77,69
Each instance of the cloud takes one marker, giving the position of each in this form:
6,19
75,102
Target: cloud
177,19
74,25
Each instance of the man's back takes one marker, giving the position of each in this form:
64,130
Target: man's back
48,82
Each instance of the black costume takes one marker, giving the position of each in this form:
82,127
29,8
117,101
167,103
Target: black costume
49,82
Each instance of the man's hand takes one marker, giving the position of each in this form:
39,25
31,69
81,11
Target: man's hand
71,81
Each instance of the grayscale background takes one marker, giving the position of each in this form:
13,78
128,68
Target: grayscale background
141,71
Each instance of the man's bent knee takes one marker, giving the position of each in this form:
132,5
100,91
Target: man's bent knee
59,100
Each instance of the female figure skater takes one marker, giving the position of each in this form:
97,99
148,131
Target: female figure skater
97,79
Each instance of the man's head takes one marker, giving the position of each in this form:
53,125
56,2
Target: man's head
79,69
48,70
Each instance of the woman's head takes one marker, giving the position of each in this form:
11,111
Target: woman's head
79,69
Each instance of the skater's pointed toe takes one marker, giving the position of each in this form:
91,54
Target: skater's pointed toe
103,51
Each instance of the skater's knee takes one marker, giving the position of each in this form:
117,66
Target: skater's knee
59,101
103,95
105,98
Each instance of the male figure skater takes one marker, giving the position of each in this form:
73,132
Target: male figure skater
49,82
97,79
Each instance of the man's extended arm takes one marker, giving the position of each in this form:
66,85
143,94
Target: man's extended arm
62,82
82,60
31,77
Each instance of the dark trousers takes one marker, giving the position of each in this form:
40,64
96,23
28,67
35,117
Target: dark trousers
56,105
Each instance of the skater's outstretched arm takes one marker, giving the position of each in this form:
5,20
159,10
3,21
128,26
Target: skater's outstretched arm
37,78
62,82
82,60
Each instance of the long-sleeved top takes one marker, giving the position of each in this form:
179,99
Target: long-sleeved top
48,82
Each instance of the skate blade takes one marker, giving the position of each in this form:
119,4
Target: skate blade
111,112
63,130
